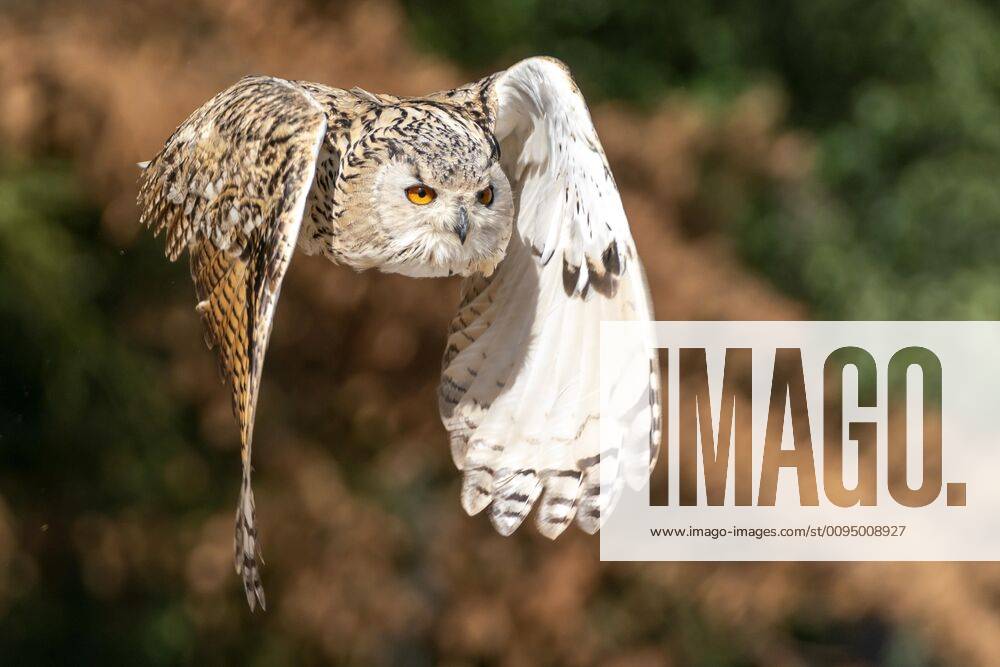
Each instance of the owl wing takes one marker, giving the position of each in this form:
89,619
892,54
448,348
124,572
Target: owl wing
230,185
520,390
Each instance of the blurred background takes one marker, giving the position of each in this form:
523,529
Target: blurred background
831,159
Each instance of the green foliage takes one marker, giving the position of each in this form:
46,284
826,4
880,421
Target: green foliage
85,427
902,96
70,386
900,220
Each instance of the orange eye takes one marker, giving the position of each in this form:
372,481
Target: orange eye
485,197
421,195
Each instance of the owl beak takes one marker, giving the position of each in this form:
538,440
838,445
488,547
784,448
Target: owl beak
461,227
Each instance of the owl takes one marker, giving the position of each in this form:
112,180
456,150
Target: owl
503,182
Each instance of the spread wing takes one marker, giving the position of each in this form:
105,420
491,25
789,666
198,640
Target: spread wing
520,388
230,185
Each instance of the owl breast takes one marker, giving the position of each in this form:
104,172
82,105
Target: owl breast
320,227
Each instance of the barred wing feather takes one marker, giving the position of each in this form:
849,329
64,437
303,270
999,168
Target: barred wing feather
520,387
230,186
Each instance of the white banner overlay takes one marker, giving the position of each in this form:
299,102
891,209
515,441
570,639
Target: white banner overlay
813,441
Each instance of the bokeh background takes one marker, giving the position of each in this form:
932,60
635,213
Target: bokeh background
779,160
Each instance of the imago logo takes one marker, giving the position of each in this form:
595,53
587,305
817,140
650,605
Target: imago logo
718,445
808,441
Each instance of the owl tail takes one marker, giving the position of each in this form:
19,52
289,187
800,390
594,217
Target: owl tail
247,552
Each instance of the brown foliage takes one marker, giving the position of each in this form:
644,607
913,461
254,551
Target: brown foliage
353,565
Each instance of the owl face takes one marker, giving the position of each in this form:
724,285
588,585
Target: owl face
441,203
441,225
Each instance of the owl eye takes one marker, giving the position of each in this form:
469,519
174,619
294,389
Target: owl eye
421,195
485,196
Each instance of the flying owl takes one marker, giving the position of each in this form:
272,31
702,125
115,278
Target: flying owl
502,181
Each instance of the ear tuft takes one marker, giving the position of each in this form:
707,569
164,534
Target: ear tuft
365,95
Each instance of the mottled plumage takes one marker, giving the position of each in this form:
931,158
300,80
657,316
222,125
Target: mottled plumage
431,186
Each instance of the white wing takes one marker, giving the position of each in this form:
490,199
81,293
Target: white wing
520,388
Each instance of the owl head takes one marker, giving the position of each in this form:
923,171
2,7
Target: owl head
429,197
